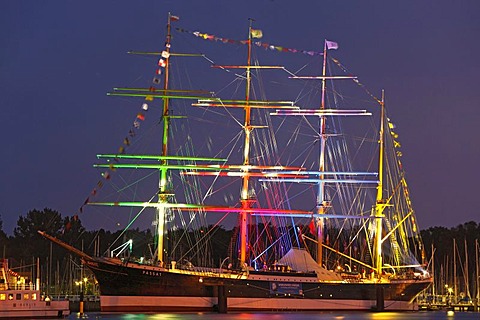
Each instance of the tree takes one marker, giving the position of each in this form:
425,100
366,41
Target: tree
28,241
72,230
3,238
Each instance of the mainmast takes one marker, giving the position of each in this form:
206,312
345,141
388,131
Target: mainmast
244,198
247,170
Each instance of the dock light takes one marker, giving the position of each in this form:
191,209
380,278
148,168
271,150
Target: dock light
200,280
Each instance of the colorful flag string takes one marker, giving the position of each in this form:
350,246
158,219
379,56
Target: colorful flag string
266,46
344,69
391,126
139,118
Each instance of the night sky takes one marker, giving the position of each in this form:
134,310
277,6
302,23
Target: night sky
59,58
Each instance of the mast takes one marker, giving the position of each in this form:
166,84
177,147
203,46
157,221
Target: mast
162,194
433,271
244,198
477,276
455,268
165,162
320,180
380,202
321,169
467,284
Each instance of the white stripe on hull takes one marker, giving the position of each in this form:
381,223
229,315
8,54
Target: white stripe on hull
151,303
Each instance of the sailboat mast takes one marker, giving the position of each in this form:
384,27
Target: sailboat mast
380,203
433,270
245,202
455,268
162,195
477,276
467,282
321,185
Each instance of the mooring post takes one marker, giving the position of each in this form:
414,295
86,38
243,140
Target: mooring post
222,299
380,298
81,304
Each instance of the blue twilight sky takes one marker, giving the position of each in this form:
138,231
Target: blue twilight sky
59,58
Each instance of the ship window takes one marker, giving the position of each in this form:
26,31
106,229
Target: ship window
18,296
3,296
26,296
34,296
10,296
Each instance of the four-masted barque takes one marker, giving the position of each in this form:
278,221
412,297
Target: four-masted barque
313,233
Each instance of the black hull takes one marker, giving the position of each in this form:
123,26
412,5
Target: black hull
131,287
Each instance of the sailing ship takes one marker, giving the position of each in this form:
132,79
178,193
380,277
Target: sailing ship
312,234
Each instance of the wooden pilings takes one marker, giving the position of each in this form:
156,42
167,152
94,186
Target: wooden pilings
222,299
380,295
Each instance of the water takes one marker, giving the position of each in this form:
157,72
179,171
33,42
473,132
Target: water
339,315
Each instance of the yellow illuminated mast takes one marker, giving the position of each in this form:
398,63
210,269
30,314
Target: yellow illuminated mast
380,202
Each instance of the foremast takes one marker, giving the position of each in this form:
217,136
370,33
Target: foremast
162,194
160,162
165,162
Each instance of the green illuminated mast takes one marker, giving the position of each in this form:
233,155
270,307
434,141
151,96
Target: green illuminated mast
162,162
162,193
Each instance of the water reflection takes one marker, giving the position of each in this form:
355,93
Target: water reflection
424,315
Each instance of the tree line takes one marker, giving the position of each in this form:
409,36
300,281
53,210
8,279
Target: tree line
27,243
